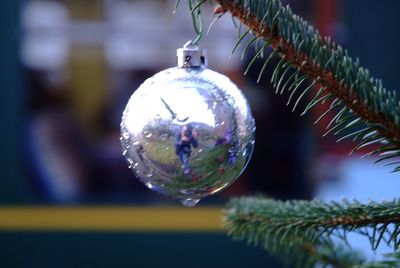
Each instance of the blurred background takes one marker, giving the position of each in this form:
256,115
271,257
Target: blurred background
68,69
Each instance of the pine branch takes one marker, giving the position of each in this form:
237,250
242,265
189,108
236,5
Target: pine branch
367,111
307,228
361,108
391,261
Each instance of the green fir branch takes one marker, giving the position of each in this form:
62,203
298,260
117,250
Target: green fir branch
391,260
304,230
360,108
358,101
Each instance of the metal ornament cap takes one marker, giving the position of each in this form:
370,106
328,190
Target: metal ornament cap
191,56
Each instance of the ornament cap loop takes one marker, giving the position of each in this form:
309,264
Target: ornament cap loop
191,56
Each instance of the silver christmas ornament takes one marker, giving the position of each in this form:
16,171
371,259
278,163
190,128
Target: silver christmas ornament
187,132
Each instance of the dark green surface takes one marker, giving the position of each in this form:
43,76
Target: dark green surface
372,34
13,188
127,250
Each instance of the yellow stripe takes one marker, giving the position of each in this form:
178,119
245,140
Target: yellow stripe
111,219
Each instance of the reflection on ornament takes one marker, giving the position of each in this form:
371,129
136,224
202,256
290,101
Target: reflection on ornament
187,132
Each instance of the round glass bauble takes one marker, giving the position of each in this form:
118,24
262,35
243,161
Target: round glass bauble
187,133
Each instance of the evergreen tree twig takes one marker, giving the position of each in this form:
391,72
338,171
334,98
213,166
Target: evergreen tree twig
362,100
308,228
304,232
391,260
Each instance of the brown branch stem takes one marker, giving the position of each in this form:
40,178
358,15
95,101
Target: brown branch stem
359,221
323,77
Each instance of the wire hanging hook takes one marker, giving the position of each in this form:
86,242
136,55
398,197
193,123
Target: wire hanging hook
196,19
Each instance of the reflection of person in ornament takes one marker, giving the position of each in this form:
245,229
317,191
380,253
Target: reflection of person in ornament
233,142
183,146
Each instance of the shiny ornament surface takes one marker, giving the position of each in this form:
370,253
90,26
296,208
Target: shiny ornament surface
187,133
